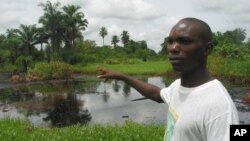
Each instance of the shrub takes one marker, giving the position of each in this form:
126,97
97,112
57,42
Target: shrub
53,70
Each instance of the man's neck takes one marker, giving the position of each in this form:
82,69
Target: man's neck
195,78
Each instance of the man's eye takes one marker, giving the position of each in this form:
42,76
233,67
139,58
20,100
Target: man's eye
184,41
169,41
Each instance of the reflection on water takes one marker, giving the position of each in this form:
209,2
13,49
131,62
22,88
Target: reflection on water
92,101
53,104
66,111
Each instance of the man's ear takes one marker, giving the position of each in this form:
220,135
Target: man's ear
209,48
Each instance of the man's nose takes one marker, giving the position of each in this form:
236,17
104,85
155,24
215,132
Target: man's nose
174,48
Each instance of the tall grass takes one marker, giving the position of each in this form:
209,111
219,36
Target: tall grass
20,130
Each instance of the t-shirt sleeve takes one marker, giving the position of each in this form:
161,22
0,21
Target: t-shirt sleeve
165,95
166,92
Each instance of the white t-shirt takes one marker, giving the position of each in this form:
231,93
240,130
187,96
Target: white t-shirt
202,113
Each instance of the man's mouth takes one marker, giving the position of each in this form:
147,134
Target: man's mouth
175,60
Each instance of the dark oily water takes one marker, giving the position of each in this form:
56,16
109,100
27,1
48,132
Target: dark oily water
239,94
91,101
87,101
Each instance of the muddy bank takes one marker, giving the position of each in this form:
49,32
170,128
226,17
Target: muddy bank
5,81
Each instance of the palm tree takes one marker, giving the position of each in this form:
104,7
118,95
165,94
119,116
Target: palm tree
237,35
103,32
73,23
28,35
125,37
42,38
115,40
51,21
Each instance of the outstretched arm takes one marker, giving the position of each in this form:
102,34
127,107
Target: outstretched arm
147,90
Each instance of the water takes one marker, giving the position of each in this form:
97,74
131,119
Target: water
89,100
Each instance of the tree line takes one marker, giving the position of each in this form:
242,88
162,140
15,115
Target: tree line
60,37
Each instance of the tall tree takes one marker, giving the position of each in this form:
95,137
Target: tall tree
52,23
4,50
73,23
115,40
42,38
103,32
143,44
236,36
125,37
13,41
28,35
164,46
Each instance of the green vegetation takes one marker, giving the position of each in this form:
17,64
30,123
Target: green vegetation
20,130
218,66
53,70
134,67
230,67
32,50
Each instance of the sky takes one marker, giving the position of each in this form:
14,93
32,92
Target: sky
149,20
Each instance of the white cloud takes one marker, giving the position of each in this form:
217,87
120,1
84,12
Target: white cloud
227,7
114,30
117,9
222,5
14,13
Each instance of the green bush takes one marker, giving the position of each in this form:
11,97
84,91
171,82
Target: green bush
229,67
53,70
7,67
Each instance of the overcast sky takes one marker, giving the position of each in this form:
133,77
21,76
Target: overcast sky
149,20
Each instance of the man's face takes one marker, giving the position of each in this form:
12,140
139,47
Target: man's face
185,47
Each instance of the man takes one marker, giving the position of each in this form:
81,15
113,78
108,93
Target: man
199,107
